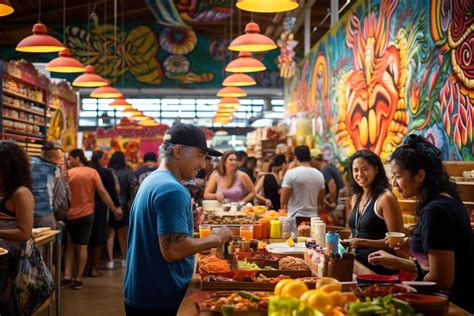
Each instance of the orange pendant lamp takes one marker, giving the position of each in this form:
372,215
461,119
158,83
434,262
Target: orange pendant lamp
149,121
6,8
39,42
130,111
120,102
253,41
245,63
89,79
238,80
267,6
231,92
106,92
229,102
65,63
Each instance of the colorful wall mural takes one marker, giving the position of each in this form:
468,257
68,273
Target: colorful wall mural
387,69
151,55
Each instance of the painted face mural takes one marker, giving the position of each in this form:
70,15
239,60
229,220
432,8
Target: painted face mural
374,89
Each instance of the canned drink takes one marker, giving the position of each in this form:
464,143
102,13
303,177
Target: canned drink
332,242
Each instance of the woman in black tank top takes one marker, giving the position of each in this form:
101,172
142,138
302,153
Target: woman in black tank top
269,183
375,209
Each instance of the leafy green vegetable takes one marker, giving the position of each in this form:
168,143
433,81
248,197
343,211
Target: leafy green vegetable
386,305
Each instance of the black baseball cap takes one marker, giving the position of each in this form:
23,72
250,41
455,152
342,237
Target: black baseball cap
189,135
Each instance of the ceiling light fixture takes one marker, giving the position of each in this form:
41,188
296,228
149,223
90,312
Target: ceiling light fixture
65,63
245,63
89,79
106,92
231,92
252,41
267,6
238,80
6,8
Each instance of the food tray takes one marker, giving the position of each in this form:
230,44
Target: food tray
200,297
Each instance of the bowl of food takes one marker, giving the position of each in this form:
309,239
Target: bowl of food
427,304
376,278
210,205
422,286
3,251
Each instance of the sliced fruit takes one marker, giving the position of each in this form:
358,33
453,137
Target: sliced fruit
280,286
294,289
325,281
290,242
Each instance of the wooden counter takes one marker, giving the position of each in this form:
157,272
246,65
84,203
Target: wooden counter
188,308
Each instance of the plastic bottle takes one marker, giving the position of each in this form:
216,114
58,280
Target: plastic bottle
275,228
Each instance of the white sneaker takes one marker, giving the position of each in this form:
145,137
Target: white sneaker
109,265
123,263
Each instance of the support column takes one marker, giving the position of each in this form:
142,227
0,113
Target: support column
334,11
307,31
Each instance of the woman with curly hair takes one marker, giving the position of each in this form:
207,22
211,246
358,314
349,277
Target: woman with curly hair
16,219
228,183
375,209
441,249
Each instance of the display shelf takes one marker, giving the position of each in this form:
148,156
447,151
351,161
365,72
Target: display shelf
32,145
22,120
11,106
14,133
464,182
19,95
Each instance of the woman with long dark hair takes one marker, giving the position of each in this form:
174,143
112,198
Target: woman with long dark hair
441,248
99,227
16,220
268,184
124,179
375,209
228,183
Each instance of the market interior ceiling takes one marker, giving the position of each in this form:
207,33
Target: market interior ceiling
18,25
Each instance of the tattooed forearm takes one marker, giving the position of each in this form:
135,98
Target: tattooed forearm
170,239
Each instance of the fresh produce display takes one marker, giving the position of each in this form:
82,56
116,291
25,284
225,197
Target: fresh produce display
245,265
292,263
324,299
227,220
211,265
386,305
376,290
227,303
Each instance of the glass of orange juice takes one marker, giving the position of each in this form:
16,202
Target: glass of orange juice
246,232
204,230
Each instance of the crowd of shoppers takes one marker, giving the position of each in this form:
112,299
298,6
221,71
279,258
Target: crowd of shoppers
150,212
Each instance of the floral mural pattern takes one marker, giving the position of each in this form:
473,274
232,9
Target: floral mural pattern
388,69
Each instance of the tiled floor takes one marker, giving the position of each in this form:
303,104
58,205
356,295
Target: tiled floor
100,296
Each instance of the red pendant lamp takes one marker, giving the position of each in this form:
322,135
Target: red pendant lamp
231,92
39,42
253,41
120,102
65,63
267,6
238,80
106,92
6,8
245,63
89,79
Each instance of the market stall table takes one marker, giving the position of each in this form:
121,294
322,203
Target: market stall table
188,307
48,238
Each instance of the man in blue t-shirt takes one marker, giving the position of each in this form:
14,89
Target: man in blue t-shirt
160,259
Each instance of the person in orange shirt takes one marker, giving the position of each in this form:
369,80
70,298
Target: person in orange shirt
84,182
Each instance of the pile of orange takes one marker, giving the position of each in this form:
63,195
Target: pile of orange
324,298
